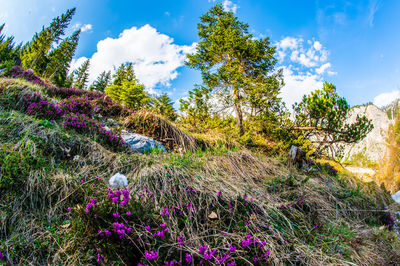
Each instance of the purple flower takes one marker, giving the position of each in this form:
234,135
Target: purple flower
188,258
147,227
209,255
69,209
232,248
116,215
202,249
152,255
1,256
181,240
128,213
232,263
222,259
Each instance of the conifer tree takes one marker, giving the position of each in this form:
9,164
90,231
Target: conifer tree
234,65
164,106
81,75
102,81
60,58
8,50
35,53
127,90
124,72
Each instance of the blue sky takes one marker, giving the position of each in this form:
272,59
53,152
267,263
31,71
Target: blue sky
353,44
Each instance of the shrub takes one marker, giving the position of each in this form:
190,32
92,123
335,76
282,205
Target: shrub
38,106
77,105
83,124
106,106
19,72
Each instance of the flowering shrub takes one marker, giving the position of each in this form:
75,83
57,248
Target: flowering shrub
106,106
77,105
19,72
38,106
83,124
65,93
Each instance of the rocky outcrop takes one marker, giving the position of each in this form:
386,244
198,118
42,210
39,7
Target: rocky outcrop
370,150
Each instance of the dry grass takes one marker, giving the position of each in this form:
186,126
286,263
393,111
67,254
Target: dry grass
348,211
157,127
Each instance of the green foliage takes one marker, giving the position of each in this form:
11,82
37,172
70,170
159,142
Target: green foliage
196,108
321,117
81,75
102,81
129,94
124,73
60,58
35,54
8,50
163,105
234,65
127,90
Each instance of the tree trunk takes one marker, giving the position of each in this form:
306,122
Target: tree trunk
239,114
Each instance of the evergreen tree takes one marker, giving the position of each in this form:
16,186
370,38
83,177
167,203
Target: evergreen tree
196,107
237,67
124,72
134,95
321,117
102,81
8,50
127,90
60,58
81,75
35,53
164,106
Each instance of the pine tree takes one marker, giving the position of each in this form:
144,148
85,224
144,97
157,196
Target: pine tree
237,67
60,58
102,81
82,75
35,53
8,50
134,95
164,106
124,72
127,90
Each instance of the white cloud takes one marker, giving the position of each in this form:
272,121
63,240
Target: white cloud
229,6
310,56
304,65
386,98
373,7
323,68
86,27
154,55
297,85
317,45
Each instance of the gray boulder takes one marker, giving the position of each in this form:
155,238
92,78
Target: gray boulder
396,197
140,143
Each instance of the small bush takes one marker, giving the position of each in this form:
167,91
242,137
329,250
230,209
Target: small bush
85,125
77,105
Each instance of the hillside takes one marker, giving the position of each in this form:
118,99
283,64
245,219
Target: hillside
189,206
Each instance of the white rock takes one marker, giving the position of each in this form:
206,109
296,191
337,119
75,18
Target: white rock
396,197
118,180
373,147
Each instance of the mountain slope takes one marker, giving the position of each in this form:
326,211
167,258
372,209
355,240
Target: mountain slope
212,206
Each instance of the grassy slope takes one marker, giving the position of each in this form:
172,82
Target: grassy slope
304,218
